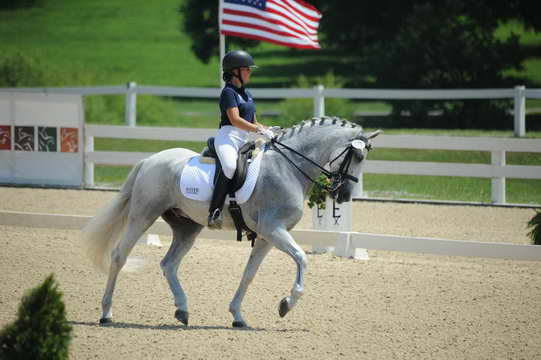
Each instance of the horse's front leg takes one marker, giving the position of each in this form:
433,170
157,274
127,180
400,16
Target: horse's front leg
283,240
259,251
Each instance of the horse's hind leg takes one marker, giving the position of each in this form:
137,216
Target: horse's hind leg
259,251
135,228
184,233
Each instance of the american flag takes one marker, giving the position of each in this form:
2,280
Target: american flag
283,22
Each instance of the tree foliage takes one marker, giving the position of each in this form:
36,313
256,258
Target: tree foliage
41,330
7,5
447,44
424,44
200,22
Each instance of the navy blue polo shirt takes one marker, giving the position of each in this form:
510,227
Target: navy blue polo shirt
236,97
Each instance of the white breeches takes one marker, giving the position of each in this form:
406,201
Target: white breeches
227,143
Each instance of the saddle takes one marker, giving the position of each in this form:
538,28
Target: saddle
246,153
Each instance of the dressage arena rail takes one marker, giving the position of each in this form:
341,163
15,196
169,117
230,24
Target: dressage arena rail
318,93
344,242
497,171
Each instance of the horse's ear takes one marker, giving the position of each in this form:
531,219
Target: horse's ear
374,134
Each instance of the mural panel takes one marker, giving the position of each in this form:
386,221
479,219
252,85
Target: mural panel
47,139
69,139
24,138
5,137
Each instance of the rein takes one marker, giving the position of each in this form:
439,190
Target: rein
338,177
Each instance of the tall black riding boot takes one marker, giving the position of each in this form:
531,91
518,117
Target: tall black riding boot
217,203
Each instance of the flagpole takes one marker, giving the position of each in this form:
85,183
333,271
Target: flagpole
222,41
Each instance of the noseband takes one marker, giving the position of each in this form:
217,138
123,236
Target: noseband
339,177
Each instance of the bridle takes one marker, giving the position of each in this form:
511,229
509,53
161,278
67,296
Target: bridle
338,177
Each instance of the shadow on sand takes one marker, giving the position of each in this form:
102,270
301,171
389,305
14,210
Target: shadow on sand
124,325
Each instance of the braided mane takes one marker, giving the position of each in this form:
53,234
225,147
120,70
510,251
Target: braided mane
317,122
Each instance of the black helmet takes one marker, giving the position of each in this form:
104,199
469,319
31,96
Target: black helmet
236,59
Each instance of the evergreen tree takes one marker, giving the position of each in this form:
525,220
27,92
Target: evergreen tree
535,225
41,330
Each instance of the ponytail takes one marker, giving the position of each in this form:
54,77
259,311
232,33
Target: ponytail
227,76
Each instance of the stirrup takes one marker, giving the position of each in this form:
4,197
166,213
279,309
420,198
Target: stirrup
215,220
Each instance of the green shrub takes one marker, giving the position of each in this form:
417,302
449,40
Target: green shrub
18,70
296,110
535,225
20,4
41,330
104,109
156,111
27,70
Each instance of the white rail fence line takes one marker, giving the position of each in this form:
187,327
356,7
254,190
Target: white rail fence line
519,94
343,242
498,170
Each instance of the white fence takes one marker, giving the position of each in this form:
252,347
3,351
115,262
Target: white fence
498,170
519,94
343,242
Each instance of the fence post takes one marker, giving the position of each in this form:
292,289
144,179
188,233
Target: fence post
338,218
131,104
497,158
520,111
319,101
89,165
358,190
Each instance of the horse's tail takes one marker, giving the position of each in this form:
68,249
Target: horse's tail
103,231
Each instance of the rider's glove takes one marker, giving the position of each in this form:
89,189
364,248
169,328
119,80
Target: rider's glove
267,133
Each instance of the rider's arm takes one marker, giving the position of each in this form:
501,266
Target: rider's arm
258,124
237,121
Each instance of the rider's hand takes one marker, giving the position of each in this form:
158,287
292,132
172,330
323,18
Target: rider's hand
267,133
275,129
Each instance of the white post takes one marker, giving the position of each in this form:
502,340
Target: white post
520,111
89,165
131,104
337,217
222,54
319,101
358,190
497,158
222,42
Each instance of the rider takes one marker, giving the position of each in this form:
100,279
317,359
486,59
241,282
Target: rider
238,118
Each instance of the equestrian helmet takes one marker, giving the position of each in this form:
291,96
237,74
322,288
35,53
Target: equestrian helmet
237,59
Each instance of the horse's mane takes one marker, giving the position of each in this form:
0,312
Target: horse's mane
316,122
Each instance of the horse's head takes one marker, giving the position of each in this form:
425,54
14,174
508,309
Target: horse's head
345,165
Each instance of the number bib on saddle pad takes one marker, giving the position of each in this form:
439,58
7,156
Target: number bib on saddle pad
196,180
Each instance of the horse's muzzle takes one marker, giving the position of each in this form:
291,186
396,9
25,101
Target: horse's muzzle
343,194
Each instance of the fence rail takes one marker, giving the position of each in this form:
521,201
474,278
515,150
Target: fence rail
497,170
519,94
344,242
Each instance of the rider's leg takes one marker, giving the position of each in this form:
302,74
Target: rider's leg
227,144
221,188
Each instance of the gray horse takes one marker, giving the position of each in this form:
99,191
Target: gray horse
274,208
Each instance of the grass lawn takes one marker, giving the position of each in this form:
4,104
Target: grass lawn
522,191
112,42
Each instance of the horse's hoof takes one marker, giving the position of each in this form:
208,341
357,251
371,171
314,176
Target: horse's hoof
283,308
104,321
239,324
182,316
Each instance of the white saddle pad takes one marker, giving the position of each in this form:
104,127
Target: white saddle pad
196,180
